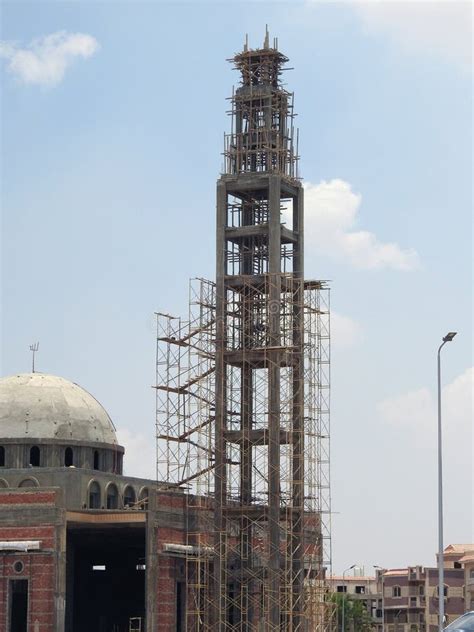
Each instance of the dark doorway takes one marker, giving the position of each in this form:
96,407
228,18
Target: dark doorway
105,578
180,607
18,605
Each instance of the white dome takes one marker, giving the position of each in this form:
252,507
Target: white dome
40,406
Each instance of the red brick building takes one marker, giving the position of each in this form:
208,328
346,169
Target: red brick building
82,547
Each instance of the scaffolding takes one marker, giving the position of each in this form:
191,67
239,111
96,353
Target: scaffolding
262,116
185,381
243,392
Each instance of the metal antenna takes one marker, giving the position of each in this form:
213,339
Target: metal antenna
34,348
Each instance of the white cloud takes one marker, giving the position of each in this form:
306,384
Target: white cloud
45,60
418,409
331,213
345,332
442,28
413,416
413,409
140,456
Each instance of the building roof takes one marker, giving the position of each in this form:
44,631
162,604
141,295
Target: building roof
469,557
352,578
41,406
395,571
459,548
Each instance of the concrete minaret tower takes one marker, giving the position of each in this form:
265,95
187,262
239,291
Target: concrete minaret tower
259,418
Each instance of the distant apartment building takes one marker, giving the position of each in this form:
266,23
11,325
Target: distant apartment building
467,561
361,587
406,599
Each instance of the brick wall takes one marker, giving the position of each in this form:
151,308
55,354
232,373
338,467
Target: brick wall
166,579
38,567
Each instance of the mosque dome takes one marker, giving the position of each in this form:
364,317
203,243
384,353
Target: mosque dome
47,407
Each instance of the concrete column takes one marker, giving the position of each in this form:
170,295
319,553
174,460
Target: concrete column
273,359
220,589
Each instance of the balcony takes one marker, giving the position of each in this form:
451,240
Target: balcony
415,574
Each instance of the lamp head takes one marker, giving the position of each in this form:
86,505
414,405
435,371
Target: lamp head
449,336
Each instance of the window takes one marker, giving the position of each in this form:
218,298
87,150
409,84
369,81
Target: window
35,456
29,482
396,591
2,456
360,590
3,483
471,573
94,495
129,496
445,591
96,460
68,457
112,496
412,601
421,590
341,589
457,565
143,498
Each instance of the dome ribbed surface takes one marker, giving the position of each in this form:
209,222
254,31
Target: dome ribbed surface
41,406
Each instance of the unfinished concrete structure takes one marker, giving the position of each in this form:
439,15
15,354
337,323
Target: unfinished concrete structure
243,385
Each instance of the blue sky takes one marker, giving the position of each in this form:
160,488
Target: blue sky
110,154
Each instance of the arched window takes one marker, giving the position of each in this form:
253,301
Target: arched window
35,456
96,460
68,457
112,496
94,495
396,591
3,483
29,482
143,498
129,496
2,456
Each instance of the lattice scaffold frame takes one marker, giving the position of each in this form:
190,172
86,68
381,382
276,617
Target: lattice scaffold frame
185,374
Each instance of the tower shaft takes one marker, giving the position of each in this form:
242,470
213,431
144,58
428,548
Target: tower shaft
259,380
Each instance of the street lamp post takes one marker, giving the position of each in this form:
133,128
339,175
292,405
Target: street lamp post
344,593
381,574
448,338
